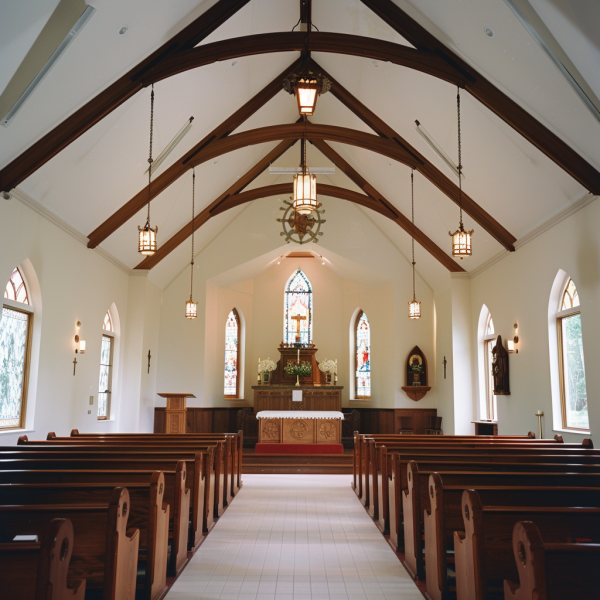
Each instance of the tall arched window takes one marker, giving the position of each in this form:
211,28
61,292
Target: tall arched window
489,343
573,393
232,352
363,356
15,343
106,368
297,314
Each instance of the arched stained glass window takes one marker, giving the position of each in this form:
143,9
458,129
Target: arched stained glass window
573,389
363,356
16,289
15,336
489,343
107,326
232,347
297,314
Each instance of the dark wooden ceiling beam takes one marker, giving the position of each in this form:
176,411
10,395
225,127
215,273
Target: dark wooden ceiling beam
488,94
207,213
359,139
176,170
113,96
425,167
395,215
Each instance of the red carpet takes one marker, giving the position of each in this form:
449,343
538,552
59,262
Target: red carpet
299,449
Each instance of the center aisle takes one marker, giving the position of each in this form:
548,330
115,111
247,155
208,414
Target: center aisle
295,537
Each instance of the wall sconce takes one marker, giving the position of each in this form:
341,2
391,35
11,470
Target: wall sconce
512,344
80,349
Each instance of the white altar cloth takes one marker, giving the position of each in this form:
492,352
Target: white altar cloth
300,414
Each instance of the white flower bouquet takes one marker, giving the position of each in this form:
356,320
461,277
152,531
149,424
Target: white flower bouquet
266,365
328,366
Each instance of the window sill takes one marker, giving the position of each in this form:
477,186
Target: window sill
19,431
574,431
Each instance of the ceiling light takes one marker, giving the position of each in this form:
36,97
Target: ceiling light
123,30
171,145
489,32
305,187
191,307
414,307
306,86
83,19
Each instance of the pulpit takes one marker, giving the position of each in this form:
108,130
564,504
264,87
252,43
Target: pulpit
175,412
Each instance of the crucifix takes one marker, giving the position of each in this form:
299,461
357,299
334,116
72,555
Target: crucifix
298,318
74,365
149,357
445,362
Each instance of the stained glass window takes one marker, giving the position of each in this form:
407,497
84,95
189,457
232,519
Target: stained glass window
16,289
363,356
297,314
107,326
232,345
489,343
105,383
14,329
573,386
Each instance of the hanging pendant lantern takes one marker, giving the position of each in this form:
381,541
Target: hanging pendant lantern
307,90
414,307
147,236
461,238
305,188
191,307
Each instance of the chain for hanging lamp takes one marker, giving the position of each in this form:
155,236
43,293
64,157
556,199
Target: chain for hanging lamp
461,238
414,307
191,307
147,235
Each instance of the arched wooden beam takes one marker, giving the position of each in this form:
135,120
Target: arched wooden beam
283,189
286,41
360,139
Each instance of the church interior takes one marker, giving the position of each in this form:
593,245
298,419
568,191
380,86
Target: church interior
298,299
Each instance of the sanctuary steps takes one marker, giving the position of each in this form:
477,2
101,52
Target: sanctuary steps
317,464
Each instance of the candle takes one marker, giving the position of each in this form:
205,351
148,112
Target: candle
298,354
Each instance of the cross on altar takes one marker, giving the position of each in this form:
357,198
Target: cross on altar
298,318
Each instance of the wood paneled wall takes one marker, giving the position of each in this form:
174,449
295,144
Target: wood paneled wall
372,420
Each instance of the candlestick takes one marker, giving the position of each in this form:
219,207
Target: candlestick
298,355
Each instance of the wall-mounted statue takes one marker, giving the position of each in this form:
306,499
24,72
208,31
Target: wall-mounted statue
417,375
500,369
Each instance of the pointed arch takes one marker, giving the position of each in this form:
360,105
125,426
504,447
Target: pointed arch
232,355
298,309
486,340
362,354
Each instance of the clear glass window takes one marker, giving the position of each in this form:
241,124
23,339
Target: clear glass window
105,382
570,297
16,289
297,314
363,356
107,326
14,339
232,344
489,343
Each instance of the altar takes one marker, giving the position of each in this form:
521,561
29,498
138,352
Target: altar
299,427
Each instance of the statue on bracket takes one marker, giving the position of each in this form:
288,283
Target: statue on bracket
417,375
500,369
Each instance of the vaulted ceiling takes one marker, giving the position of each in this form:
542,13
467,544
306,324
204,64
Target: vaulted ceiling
514,184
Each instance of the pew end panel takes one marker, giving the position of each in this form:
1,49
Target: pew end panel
158,538
411,509
435,544
181,522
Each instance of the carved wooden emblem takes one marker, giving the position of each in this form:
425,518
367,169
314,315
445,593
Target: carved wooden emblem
271,430
299,429
298,405
328,430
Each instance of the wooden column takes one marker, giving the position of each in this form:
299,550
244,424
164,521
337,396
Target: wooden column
176,409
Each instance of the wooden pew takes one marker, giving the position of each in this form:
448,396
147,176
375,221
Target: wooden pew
416,499
219,490
552,571
498,455
445,516
484,553
105,553
238,446
38,570
195,480
157,499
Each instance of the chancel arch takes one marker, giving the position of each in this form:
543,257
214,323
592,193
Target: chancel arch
298,309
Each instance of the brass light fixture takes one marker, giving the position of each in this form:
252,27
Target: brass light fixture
305,187
191,307
461,238
414,307
147,235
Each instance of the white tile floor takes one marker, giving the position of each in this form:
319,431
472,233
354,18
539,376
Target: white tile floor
295,537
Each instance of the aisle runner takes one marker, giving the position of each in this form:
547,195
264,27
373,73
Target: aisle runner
295,537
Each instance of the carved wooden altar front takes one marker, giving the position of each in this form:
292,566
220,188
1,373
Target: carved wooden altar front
300,431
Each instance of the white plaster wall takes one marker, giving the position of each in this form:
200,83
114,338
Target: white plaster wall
443,346
76,284
517,289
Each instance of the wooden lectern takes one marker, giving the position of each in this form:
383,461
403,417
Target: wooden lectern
175,412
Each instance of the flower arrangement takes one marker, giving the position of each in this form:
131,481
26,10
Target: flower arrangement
328,366
266,366
303,369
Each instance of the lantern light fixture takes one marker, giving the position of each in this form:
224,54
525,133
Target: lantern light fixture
147,235
305,187
461,238
414,307
191,307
